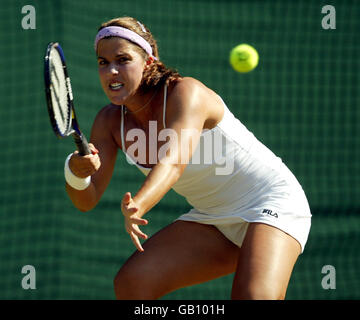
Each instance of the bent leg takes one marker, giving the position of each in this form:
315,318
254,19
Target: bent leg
265,263
182,254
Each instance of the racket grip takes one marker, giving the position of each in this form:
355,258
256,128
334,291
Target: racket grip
82,144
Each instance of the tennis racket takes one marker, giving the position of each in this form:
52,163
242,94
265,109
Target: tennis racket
59,98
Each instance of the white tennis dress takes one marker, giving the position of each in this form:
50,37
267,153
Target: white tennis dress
233,179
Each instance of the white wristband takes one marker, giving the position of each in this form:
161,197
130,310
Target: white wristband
74,181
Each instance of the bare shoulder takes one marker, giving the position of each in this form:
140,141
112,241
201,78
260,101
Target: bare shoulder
187,87
190,94
187,82
107,117
106,123
108,112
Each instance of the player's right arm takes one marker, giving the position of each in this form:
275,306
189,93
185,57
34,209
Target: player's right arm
100,164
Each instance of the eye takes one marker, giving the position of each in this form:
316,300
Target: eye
123,59
102,62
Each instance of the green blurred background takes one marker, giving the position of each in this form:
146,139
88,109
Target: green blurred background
302,101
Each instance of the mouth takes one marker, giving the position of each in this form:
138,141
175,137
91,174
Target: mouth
115,86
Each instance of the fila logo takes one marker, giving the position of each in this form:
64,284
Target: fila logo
269,212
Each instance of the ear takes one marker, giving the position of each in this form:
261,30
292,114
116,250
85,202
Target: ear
149,61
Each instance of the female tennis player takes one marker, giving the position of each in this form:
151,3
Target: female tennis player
251,219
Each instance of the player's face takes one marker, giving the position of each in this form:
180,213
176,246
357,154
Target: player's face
120,68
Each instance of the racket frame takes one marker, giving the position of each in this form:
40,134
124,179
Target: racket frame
72,123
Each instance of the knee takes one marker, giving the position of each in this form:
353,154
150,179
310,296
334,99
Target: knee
257,293
133,285
119,286
120,283
125,286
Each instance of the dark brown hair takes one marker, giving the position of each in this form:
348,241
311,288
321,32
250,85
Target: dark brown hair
157,73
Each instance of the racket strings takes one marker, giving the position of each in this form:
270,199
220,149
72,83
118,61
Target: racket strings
59,93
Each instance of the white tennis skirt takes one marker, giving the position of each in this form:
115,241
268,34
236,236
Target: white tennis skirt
286,208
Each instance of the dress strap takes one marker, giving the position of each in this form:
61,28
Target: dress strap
164,106
122,129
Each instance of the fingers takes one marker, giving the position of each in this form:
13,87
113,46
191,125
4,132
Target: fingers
84,166
135,220
140,221
129,208
127,198
136,242
132,220
127,205
135,233
93,149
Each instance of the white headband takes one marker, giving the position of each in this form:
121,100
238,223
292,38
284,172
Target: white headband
115,31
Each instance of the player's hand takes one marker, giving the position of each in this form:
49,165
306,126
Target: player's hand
84,166
132,220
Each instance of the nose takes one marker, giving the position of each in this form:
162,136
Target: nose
113,69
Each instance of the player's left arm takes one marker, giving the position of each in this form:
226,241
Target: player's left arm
185,121
185,118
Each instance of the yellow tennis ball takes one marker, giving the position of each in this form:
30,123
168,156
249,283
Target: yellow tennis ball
244,58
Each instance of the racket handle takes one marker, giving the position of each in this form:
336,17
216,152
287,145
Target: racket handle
82,144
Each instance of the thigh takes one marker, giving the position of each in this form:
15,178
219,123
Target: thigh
265,263
182,254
